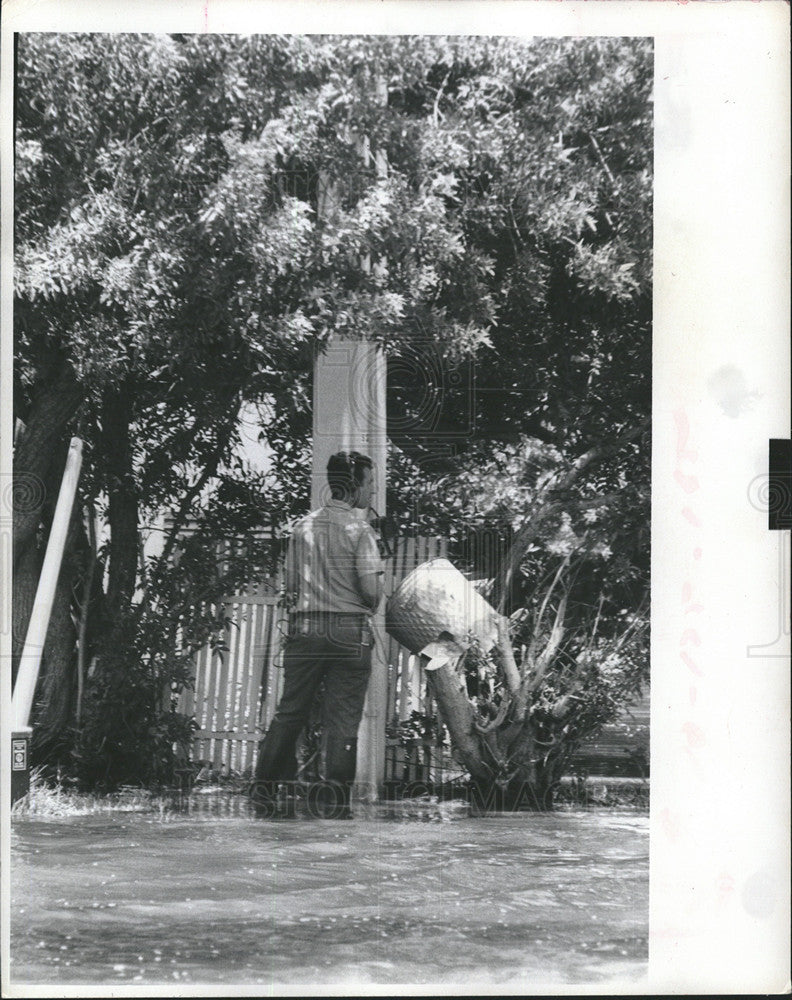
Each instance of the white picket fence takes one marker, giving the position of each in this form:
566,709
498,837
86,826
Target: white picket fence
236,689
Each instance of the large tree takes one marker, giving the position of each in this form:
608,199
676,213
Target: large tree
172,264
196,215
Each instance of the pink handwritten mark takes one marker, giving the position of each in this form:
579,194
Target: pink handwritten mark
725,885
689,515
688,483
695,735
206,15
691,607
691,664
683,432
690,635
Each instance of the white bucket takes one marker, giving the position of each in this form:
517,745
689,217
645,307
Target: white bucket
435,603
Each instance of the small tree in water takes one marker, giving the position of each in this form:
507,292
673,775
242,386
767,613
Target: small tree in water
516,741
571,584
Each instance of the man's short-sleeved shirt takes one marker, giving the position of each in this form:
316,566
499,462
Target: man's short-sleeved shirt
330,549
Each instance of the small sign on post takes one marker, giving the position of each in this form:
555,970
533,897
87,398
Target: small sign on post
20,764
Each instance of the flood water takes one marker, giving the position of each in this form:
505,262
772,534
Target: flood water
183,900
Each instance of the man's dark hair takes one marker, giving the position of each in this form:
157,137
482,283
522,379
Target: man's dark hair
345,472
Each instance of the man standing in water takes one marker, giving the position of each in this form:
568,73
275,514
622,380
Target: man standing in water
334,581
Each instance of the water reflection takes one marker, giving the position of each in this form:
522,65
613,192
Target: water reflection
151,899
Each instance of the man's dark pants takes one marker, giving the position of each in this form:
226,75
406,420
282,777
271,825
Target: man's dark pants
325,647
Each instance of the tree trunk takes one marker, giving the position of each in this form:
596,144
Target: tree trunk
489,757
54,405
122,509
526,786
110,695
27,567
448,690
52,720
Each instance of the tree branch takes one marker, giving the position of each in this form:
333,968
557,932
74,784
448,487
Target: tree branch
540,616
534,679
504,653
81,639
604,165
183,511
436,107
556,634
596,454
122,507
493,724
542,508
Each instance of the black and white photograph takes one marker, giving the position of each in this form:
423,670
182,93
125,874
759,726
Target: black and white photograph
357,482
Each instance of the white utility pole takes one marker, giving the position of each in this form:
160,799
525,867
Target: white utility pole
349,414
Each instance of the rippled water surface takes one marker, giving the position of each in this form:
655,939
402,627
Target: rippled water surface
144,899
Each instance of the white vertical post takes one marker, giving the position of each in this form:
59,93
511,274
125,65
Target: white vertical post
349,415
25,687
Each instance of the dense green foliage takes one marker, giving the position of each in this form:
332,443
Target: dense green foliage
196,215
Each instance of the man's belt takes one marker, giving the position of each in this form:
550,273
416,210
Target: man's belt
341,616
324,622
315,618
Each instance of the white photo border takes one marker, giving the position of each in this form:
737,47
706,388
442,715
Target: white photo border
720,810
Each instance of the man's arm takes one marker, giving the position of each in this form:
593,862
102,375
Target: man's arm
370,570
372,586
